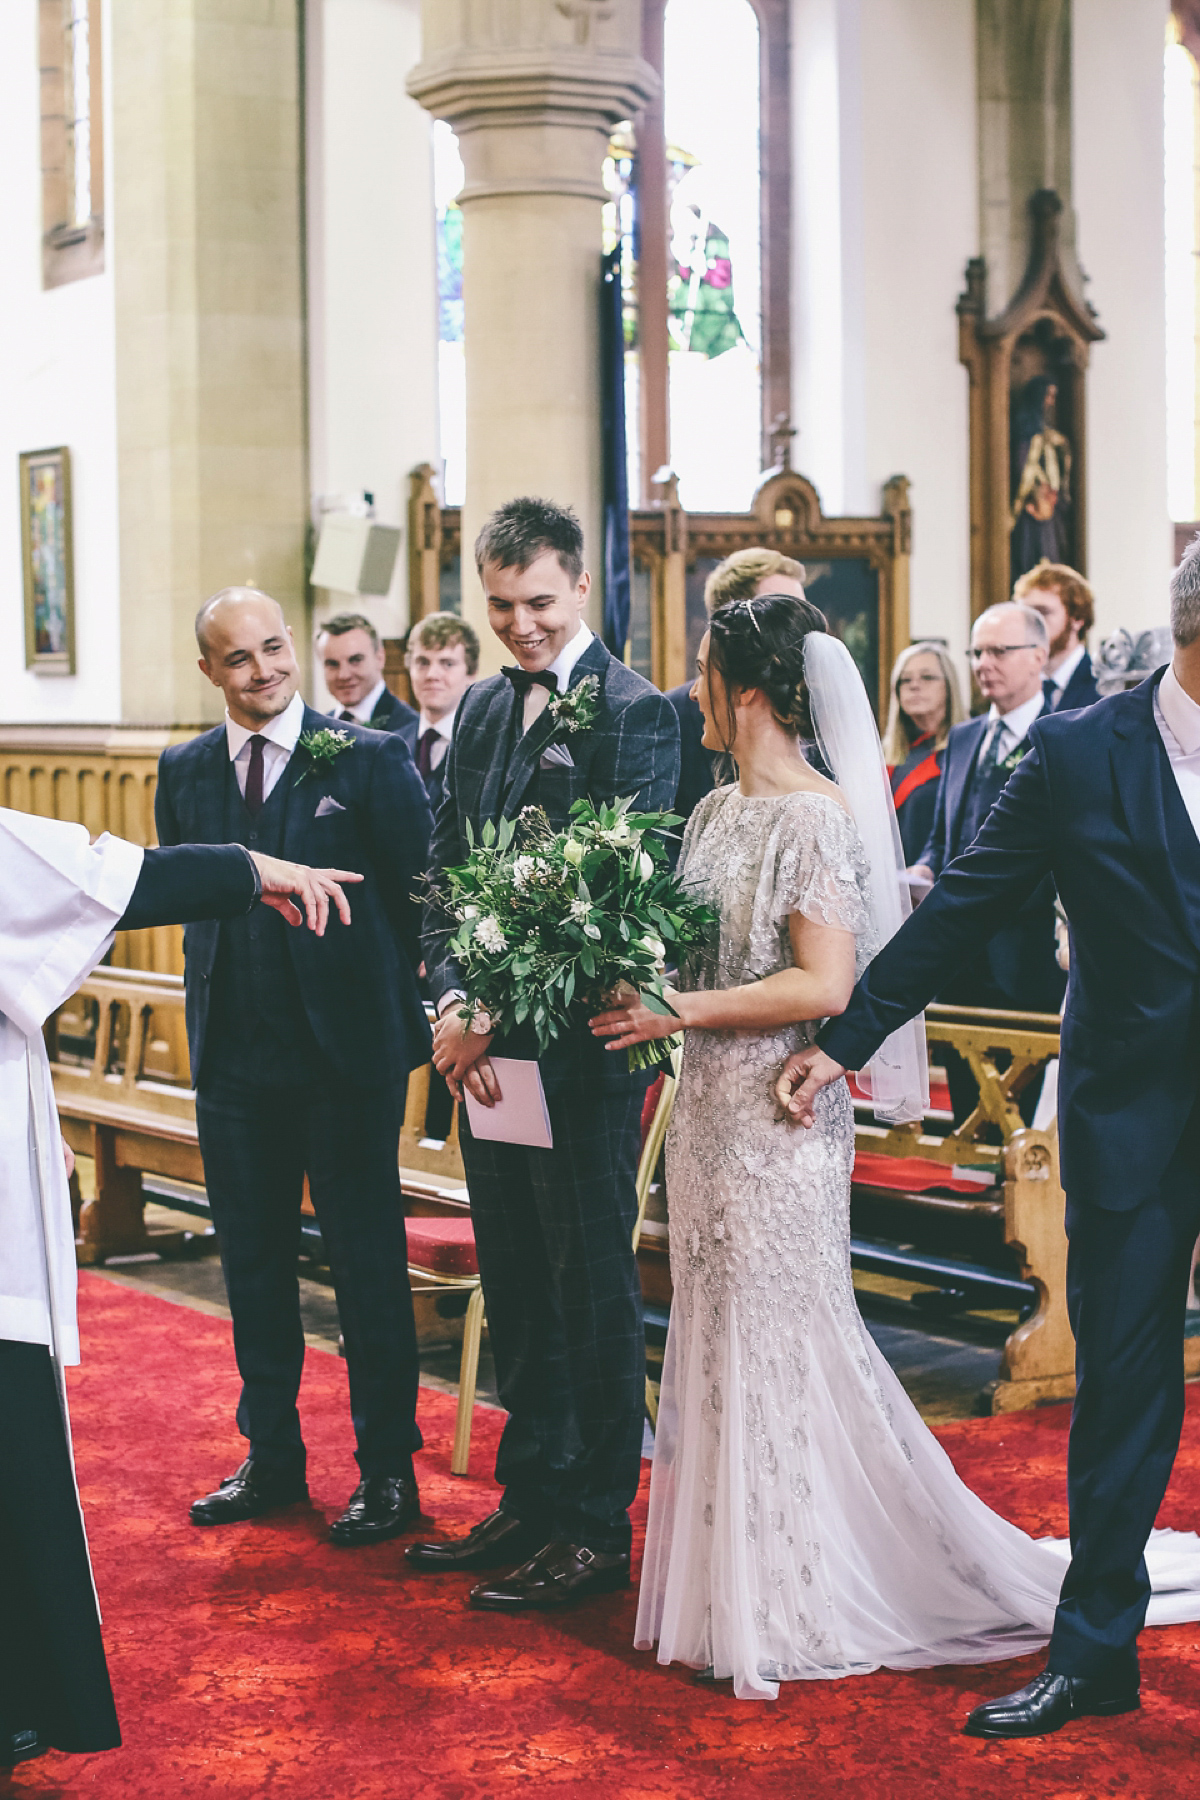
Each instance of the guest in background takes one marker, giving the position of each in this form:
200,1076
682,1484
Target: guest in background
1068,606
352,658
442,659
925,705
741,576
301,1057
1017,970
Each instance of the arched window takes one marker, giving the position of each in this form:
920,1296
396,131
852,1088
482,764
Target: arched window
72,140
452,386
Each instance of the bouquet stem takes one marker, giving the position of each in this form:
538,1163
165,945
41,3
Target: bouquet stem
654,1053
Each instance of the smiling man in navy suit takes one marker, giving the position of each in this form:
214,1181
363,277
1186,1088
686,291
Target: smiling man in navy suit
1107,801
301,1055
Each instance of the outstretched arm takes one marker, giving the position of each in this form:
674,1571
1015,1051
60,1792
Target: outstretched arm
183,882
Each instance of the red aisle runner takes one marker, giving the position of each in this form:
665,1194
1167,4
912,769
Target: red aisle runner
261,1661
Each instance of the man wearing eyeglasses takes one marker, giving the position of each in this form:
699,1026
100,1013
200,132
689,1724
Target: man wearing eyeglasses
1017,970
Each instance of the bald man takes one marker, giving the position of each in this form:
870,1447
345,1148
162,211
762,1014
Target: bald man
300,1061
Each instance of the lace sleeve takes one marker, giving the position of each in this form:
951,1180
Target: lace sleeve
818,867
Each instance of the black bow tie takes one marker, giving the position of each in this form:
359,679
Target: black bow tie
523,679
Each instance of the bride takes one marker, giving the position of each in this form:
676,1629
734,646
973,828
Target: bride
803,1523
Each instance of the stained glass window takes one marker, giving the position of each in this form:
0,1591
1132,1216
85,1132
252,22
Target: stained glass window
452,388
620,227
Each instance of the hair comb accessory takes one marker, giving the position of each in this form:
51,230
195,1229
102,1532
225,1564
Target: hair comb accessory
749,606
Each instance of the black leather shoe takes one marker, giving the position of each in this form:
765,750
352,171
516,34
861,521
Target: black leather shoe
1049,1702
559,1575
248,1494
21,1746
497,1542
381,1506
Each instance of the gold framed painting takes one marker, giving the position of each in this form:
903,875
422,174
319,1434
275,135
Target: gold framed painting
47,555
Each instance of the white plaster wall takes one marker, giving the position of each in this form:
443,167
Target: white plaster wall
886,218
1118,178
57,386
372,271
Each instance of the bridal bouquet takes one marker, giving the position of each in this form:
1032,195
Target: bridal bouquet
551,922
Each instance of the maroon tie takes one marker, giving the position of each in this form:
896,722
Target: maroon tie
425,743
254,777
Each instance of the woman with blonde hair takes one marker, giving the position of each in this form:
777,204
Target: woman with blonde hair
925,704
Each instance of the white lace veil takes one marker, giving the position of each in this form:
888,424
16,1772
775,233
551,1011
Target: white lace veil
897,1077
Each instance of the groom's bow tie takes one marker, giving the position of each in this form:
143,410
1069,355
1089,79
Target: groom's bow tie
524,679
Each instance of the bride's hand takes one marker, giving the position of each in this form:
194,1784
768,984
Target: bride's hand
632,1022
801,1080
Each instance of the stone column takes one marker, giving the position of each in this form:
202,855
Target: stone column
207,258
532,92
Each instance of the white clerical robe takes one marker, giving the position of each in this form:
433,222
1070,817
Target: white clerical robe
60,899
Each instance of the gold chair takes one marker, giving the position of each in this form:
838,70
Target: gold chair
442,1259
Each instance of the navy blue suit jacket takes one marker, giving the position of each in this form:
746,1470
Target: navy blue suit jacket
357,982
696,773
1020,955
409,730
1095,805
1081,690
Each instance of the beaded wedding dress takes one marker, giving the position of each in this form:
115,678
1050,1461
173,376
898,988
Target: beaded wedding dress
804,1523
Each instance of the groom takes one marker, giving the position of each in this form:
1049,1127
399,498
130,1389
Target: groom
553,1227
1108,802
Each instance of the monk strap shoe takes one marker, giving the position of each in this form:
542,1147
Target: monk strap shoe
497,1542
381,1506
1049,1702
247,1495
559,1575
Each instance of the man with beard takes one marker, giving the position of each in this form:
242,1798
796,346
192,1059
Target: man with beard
1067,605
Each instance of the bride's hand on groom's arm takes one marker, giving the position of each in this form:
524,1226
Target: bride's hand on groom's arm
801,1080
632,1022
460,1056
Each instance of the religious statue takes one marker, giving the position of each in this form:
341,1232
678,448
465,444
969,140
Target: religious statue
1040,521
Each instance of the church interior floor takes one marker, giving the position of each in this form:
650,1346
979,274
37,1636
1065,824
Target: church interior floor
944,1364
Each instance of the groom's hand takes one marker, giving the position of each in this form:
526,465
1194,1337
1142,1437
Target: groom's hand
801,1080
301,894
460,1056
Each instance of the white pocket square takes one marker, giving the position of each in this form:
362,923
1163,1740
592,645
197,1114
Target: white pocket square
328,805
556,756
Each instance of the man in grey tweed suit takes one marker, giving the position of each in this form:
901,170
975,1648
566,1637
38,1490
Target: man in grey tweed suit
553,1227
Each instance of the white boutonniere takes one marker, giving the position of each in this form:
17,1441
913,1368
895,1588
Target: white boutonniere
1013,758
576,709
324,748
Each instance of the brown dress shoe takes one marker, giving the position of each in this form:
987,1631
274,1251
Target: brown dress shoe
497,1542
559,1575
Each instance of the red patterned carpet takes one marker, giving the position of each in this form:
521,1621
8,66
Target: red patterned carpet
260,1661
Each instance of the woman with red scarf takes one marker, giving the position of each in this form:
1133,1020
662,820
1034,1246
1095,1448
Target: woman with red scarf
925,704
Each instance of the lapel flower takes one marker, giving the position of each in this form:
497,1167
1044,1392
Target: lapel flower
1014,757
576,709
324,748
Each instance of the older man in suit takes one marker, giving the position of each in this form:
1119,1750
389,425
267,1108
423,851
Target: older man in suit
300,1054
352,659
1107,802
553,1227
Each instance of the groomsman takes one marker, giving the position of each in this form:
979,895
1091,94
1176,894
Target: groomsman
442,658
352,659
1068,608
553,1227
300,1057
1017,969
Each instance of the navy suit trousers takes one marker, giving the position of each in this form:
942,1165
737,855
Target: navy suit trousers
554,1232
1127,1275
258,1143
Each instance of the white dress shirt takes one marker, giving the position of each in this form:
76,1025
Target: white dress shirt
279,740
445,731
538,697
362,713
1065,670
1178,719
1013,726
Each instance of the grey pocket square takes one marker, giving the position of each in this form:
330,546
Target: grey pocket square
556,756
328,805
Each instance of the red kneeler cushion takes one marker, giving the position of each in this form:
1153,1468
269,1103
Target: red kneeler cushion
913,1175
445,1246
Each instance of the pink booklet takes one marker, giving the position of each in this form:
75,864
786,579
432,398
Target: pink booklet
520,1115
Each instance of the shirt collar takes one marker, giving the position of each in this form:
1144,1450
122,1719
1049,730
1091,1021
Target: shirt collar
1018,721
1180,712
363,713
284,729
443,726
1067,668
569,655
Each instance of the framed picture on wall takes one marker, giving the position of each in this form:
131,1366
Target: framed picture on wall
46,552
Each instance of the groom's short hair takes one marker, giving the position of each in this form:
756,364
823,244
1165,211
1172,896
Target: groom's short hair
522,530
1185,596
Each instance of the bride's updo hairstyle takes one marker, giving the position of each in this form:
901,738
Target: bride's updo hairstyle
759,643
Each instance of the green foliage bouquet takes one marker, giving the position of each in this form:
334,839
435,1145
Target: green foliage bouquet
553,923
